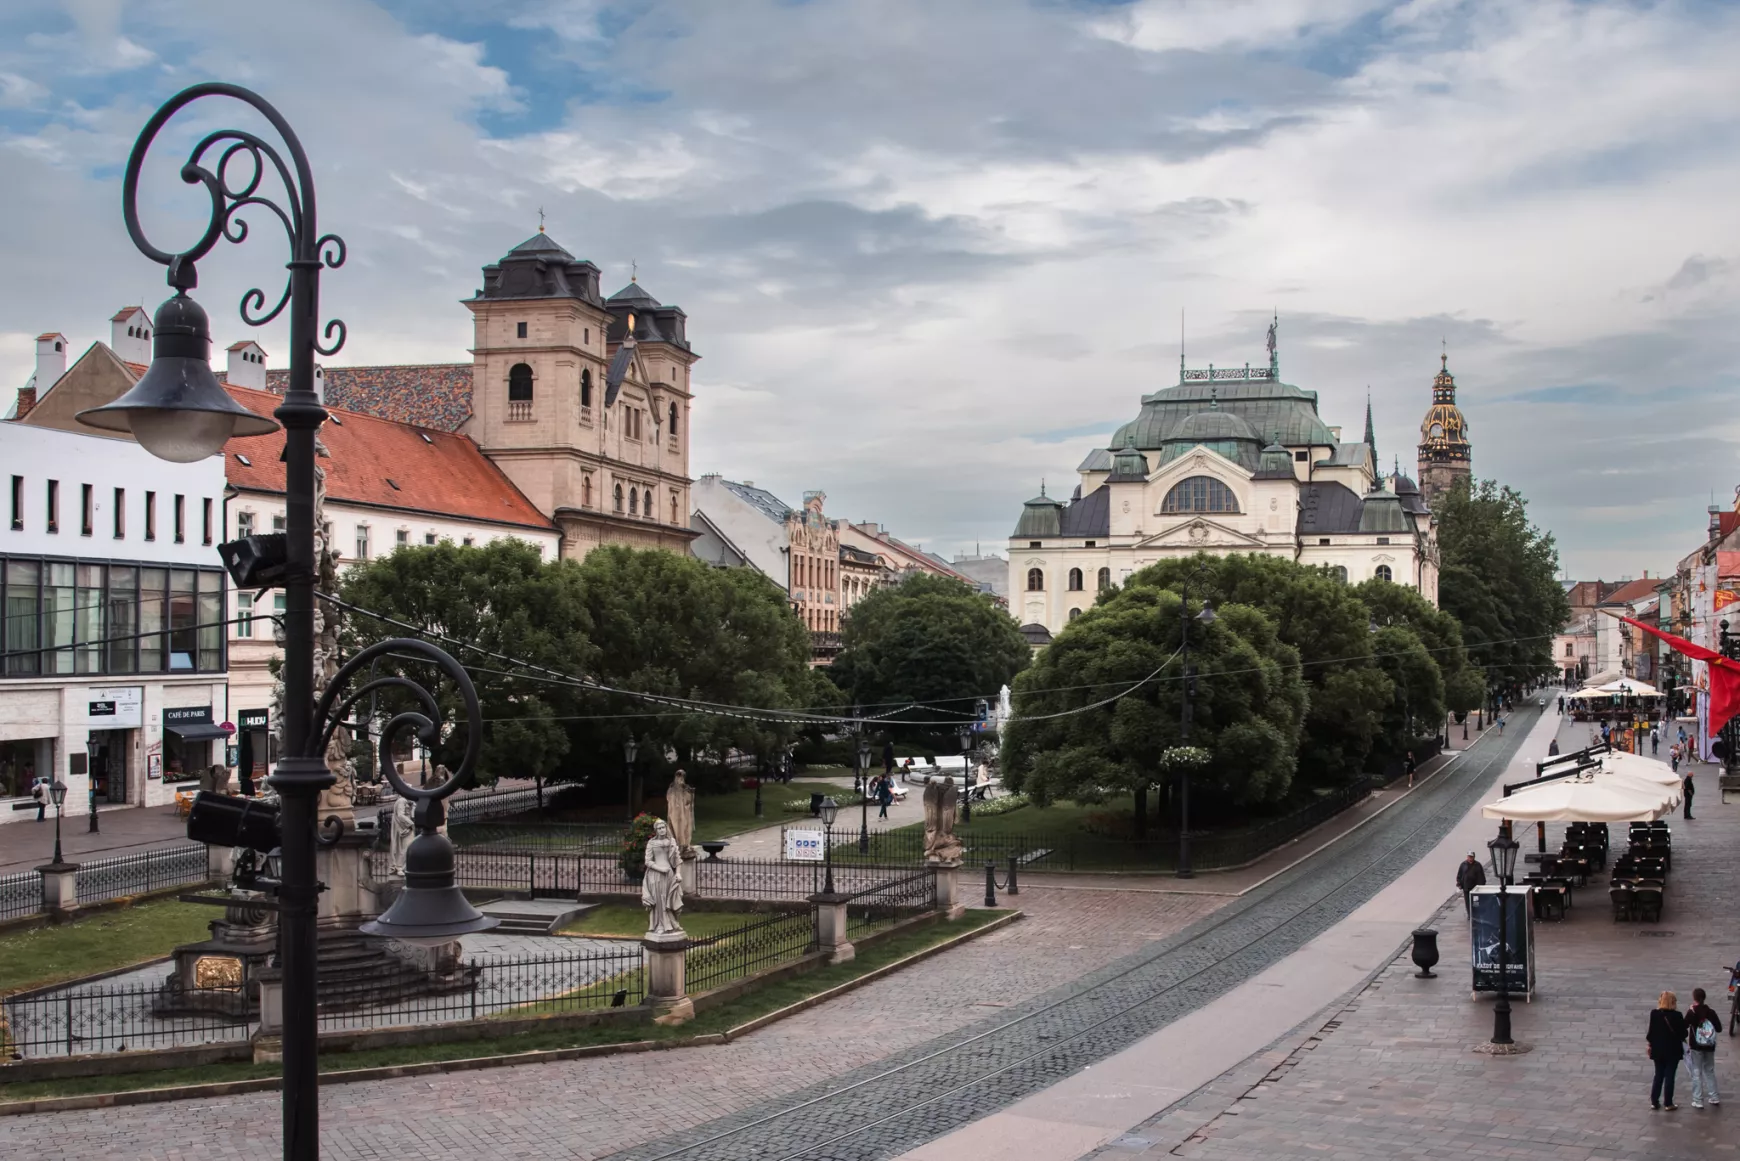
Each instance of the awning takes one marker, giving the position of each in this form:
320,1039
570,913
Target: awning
195,731
1588,797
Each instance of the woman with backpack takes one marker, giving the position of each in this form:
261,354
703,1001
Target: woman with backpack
1667,1043
1703,1028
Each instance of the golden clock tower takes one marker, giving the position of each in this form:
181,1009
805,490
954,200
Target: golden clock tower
1445,454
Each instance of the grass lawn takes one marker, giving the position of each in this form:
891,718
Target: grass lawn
757,1003
100,942
723,815
621,919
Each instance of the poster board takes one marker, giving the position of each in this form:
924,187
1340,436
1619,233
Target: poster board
1519,940
804,845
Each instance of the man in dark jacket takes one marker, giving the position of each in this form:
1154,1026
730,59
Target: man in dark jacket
888,756
1469,876
1701,1049
1690,790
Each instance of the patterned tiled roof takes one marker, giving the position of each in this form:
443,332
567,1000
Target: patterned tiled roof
431,395
385,464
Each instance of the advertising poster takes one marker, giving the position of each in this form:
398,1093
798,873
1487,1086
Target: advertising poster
1519,968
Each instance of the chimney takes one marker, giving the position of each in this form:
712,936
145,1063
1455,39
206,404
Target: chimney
50,360
26,400
247,366
130,335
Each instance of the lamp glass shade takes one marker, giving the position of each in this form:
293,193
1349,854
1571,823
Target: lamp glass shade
629,749
1503,849
57,791
431,910
1207,615
830,810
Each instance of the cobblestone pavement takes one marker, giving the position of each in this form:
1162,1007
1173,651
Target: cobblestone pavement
1391,1072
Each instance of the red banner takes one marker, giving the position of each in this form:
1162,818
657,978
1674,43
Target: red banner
1724,674
1726,597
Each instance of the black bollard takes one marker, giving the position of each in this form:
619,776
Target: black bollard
1425,952
990,883
1014,884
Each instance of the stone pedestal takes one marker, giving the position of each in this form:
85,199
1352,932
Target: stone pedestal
666,990
686,869
271,984
60,887
948,890
349,898
220,863
830,912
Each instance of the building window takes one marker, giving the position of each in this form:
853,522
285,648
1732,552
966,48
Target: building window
1035,580
54,505
1339,572
18,503
586,392
633,502
1075,580
469,542
362,541
520,383
673,421
1105,579
244,524
205,515
1383,572
180,519
150,515
92,617
646,504
244,614
1301,457
520,330
277,524
1200,494
586,492
1074,613
120,513
673,509
1383,540
1322,540
1567,649
619,497
87,509
402,537
428,538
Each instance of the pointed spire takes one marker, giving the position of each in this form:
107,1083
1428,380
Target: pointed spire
1370,431
1042,485
540,219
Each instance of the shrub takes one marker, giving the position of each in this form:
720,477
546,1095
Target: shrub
632,857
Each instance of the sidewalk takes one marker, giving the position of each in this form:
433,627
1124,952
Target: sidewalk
126,830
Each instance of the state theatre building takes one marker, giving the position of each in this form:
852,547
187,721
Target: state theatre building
1227,460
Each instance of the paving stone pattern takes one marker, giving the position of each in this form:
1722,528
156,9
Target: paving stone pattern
1392,1074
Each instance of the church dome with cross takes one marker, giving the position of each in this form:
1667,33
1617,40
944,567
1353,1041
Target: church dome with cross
1445,453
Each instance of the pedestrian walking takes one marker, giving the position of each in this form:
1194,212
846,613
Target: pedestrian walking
1501,727
1667,1042
1469,875
1690,790
1654,741
1552,747
1703,1031
1410,768
888,756
884,796
39,791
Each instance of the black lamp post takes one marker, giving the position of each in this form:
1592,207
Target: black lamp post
863,794
57,791
1503,849
761,768
830,811
630,748
178,411
91,750
1206,616
966,774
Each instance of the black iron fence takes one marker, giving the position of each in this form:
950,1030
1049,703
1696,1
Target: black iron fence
731,955
114,1019
592,977
532,837
890,901
497,803
20,895
135,874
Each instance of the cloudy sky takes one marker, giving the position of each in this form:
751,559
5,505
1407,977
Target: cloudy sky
933,252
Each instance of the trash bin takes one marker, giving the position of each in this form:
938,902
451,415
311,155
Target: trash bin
815,806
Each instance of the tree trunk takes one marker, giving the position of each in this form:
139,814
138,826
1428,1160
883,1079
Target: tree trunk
1141,830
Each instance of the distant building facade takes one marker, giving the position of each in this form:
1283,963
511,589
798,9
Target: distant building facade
1446,456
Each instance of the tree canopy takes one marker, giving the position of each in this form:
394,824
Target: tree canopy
1074,738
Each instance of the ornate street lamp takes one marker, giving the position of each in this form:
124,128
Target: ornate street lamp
863,793
179,411
830,811
966,733
92,747
1206,617
1503,850
57,791
630,748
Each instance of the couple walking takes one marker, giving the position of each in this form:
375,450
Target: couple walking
1691,1037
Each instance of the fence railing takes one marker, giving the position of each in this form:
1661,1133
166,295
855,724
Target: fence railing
888,902
20,895
500,988
720,959
135,874
496,803
556,837
113,1019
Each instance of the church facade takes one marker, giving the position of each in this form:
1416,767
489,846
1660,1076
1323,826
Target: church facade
1228,460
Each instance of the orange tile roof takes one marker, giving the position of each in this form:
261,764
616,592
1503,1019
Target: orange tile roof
49,335
437,472
124,313
1633,590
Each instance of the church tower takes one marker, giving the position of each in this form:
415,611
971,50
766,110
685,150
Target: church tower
1445,454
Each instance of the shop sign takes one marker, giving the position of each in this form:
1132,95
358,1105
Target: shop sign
199,715
254,719
115,708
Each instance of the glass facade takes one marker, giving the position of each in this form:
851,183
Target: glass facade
71,616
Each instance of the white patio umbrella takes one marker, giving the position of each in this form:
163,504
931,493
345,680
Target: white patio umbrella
1587,797
1631,686
1638,766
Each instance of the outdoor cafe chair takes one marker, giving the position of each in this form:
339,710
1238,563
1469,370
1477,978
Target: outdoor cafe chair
1624,901
1648,903
1549,900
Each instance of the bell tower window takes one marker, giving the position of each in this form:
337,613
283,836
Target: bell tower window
520,383
586,388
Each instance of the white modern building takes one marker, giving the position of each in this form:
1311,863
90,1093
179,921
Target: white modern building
114,602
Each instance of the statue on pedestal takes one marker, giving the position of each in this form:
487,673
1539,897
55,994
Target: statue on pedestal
941,847
661,885
680,808
404,829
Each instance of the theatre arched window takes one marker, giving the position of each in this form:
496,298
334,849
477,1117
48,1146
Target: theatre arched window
1200,494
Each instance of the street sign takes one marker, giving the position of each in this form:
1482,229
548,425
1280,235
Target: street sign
804,845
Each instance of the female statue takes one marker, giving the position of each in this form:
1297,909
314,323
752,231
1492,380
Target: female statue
661,886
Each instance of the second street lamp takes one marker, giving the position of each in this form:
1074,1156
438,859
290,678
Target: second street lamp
1503,849
92,751
863,794
630,747
966,774
830,811
57,792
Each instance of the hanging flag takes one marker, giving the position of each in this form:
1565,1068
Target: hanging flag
1724,672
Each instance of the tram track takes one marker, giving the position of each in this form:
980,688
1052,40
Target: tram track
881,1110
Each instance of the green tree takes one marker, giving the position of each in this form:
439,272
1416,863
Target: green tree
502,597
928,639
1440,634
1321,618
1500,580
1072,738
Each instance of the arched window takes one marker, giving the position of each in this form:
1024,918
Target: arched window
586,492
1035,580
633,502
1074,613
520,383
1383,572
673,421
1339,572
1200,494
619,497
646,504
1075,580
673,509
1105,579
586,388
